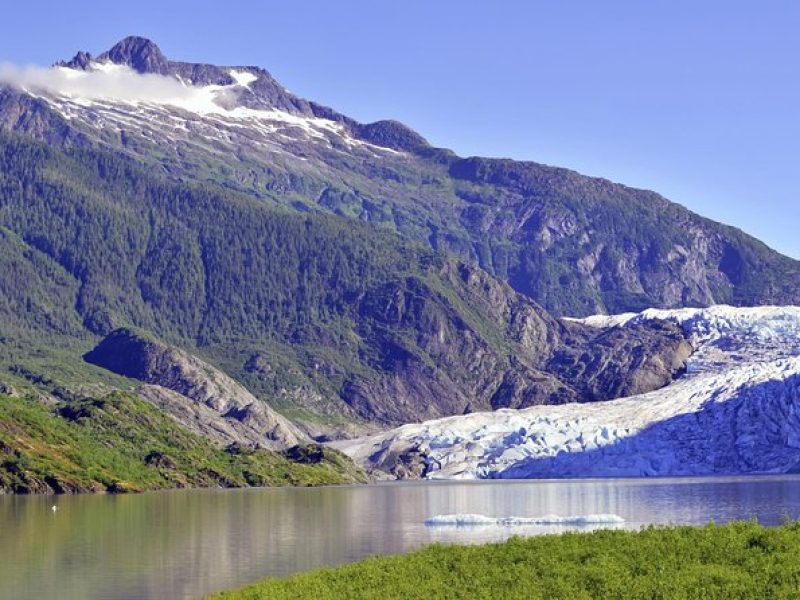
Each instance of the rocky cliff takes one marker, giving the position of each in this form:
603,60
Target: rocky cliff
194,393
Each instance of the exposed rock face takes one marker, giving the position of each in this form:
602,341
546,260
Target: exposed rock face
622,361
548,361
196,394
588,245
140,54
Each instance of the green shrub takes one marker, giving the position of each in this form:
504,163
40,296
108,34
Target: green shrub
738,560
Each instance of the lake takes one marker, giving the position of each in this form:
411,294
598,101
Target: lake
185,544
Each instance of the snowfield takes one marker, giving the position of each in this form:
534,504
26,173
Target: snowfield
165,109
736,410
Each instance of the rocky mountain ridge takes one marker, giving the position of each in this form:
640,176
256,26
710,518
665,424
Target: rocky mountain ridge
262,91
577,245
197,395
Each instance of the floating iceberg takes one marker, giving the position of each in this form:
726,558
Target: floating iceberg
462,520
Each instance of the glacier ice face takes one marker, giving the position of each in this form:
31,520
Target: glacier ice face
724,335
736,410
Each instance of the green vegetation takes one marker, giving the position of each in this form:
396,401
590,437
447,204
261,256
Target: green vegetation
124,248
336,303
315,304
119,443
738,560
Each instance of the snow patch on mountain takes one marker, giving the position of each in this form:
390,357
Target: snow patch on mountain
736,410
243,78
115,97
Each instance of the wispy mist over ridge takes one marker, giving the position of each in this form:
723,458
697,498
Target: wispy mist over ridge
109,82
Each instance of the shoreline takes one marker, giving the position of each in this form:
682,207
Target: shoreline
740,559
655,480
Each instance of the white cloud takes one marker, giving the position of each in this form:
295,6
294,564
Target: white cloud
114,82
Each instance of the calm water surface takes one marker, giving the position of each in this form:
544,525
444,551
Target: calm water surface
185,544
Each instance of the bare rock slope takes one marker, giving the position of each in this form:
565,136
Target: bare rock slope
193,392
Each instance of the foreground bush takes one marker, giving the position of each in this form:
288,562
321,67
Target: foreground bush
738,560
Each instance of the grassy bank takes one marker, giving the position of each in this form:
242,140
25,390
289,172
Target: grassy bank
739,560
119,443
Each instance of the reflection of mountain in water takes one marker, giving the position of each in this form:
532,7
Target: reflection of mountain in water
186,544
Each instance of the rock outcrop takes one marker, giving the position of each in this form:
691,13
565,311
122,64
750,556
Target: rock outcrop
543,360
197,395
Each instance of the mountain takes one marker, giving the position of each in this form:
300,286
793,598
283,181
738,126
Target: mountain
195,245
576,245
338,324
734,411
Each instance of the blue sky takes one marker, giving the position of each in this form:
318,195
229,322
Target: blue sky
697,100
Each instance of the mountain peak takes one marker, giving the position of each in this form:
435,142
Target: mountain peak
392,134
140,54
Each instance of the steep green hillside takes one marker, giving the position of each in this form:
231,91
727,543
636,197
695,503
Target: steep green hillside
331,320
119,443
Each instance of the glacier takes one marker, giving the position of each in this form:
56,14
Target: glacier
735,410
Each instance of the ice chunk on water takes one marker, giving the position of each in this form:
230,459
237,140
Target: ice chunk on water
461,520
